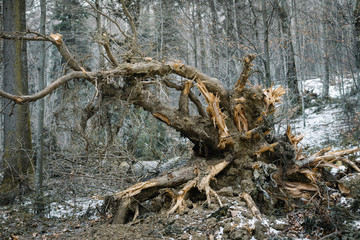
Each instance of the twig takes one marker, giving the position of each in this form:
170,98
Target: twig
133,27
109,18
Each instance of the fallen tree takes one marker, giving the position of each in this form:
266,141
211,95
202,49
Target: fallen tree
231,130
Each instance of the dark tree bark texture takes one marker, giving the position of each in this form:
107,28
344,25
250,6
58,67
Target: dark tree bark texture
17,120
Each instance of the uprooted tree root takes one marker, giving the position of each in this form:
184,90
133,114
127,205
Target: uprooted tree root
266,168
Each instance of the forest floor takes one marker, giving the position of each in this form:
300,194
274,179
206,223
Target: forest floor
80,218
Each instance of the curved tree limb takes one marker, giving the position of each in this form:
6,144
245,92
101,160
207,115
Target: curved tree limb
56,39
46,91
192,96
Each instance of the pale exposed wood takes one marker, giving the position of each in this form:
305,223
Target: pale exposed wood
244,76
216,116
162,117
180,198
268,147
184,97
239,115
351,163
273,96
205,182
60,45
251,204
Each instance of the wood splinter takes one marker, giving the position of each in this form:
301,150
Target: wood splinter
263,149
216,116
251,204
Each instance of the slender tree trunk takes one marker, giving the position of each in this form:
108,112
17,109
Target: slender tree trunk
357,44
266,44
40,122
17,146
194,33
298,46
291,74
214,48
2,87
325,52
203,56
99,30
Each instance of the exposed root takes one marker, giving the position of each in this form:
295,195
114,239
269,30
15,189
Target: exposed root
180,198
251,204
202,185
205,182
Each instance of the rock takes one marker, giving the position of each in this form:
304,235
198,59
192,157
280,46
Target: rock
248,186
226,192
352,183
124,166
260,230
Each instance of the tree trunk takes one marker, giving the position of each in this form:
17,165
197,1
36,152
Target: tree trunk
266,44
17,143
291,74
40,120
99,32
214,38
357,44
325,52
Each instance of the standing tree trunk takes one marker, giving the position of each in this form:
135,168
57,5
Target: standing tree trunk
17,142
325,40
214,38
100,32
40,120
357,44
291,75
266,44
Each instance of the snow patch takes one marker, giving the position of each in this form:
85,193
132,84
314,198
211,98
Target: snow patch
73,208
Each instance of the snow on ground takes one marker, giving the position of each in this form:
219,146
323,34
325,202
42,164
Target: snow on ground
73,208
321,126
322,123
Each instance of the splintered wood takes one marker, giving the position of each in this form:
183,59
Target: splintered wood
268,147
57,37
162,117
244,76
273,96
310,168
239,115
216,116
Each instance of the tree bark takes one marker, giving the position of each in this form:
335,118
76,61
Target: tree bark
357,45
41,106
266,44
325,52
291,74
17,142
